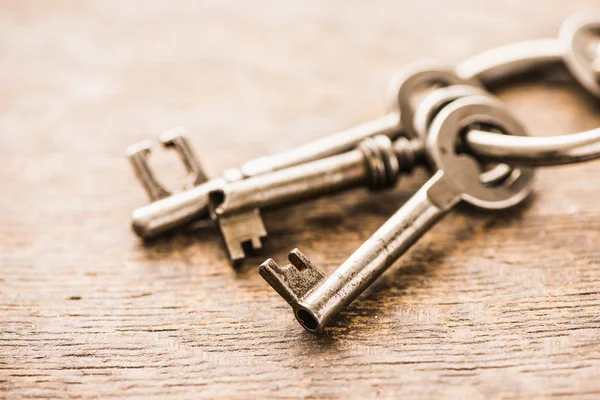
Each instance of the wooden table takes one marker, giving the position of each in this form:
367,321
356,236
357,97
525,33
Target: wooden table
485,306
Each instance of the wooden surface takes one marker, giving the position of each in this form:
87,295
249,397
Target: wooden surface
485,306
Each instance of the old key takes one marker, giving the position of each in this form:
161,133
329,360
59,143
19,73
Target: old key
317,299
172,210
377,163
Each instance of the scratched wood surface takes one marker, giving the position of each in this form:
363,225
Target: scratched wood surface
485,306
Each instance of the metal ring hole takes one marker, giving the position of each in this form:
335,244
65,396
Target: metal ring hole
492,174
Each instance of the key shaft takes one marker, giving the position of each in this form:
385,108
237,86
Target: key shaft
376,163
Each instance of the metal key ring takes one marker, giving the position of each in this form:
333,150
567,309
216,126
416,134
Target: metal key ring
535,151
569,48
506,61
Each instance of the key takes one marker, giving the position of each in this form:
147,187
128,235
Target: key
172,210
376,163
316,299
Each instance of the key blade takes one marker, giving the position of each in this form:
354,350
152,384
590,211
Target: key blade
294,281
240,228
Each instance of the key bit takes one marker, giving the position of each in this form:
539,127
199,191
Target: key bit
169,211
377,163
176,139
241,228
293,281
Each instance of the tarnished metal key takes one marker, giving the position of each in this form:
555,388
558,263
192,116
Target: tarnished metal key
376,163
316,299
171,210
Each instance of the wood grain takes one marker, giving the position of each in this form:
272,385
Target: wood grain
485,306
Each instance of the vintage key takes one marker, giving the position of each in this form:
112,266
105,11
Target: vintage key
376,163
171,210
316,299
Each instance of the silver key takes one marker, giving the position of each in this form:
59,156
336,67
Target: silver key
317,299
376,163
171,210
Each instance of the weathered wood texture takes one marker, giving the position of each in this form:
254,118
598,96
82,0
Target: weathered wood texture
485,306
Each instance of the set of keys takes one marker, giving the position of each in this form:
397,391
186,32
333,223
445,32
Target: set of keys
442,118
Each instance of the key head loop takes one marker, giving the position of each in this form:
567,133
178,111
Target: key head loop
462,172
580,34
412,80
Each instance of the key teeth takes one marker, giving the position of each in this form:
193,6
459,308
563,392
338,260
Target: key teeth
236,248
240,228
294,281
176,139
299,260
273,274
138,157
